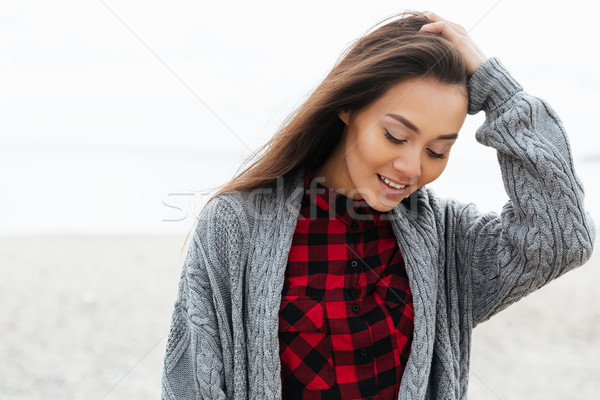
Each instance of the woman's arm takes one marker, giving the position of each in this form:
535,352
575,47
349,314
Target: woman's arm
543,230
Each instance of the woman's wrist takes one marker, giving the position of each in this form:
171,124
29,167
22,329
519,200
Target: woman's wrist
490,86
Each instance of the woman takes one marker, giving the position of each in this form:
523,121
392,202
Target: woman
328,270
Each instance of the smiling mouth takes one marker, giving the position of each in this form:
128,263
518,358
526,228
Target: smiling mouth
390,183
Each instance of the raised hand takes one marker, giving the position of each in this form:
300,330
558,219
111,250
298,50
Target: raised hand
457,35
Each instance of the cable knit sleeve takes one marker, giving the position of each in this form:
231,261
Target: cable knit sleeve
543,230
194,360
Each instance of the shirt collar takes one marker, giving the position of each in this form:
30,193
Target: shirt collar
337,205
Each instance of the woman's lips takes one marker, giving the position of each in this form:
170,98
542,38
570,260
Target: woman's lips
394,181
390,191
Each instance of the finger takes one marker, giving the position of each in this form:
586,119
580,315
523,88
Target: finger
441,27
433,17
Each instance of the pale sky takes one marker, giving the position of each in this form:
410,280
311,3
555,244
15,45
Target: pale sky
112,110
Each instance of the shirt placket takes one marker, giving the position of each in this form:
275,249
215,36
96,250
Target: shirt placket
362,340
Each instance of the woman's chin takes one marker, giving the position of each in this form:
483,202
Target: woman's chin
381,203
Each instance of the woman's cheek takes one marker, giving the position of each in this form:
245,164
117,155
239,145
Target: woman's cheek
433,170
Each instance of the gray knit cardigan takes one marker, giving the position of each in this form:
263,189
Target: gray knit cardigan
463,266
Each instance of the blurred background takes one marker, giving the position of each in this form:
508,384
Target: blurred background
119,119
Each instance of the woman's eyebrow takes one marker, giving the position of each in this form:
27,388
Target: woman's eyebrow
413,127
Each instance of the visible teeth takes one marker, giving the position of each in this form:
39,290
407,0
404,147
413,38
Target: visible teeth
392,184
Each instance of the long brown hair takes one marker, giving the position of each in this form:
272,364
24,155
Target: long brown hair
381,58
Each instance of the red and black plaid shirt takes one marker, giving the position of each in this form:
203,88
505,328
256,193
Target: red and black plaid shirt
346,316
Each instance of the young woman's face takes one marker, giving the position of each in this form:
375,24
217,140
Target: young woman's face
405,137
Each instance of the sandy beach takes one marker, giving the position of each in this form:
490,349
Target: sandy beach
87,317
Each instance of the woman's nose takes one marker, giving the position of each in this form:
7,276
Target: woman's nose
409,164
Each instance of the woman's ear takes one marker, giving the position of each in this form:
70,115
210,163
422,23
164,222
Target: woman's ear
345,117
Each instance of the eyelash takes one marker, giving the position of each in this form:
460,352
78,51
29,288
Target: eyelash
397,141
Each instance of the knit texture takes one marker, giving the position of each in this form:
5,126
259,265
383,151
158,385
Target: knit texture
464,266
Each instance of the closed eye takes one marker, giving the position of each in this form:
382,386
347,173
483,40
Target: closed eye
436,155
432,154
393,139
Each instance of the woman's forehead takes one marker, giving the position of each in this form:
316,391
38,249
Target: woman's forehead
422,99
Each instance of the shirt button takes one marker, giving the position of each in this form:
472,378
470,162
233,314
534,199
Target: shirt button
354,226
354,264
355,308
364,352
